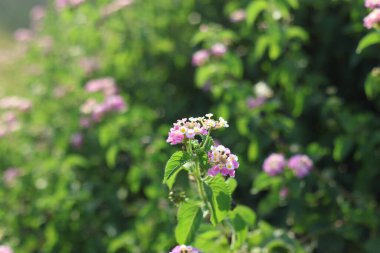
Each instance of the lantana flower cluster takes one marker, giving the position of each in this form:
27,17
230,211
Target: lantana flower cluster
202,56
94,111
222,161
275,164
372,19
184,249
188,128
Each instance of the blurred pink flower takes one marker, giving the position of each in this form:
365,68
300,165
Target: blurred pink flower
218,49
15,103
76,140
61,4
372,3
301,165
238,16
23,35
372,19
200,57
254,102
37,13
5,249
115,6
284,192
89,65
10,176
274,164
106,85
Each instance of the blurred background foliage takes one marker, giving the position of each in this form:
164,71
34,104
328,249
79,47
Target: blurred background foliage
99,188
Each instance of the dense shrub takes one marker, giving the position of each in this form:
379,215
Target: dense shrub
83,163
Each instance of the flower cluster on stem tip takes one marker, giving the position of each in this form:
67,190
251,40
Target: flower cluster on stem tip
300,164
372,19
222,161
184,249
188,128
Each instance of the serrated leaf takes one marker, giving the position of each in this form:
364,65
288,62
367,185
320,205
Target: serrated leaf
219,196
207,142
189,218
232,184
254,9
368,40
174,165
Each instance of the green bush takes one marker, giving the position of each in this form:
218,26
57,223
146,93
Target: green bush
105,193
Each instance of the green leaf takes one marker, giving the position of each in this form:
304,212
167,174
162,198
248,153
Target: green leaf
204,74
263,181
368,40
241,217
260,47
232,184
174,165
207,142
111,156
248,215
254,9
297,32
342,146
372,84
240,228
219,196
189,218
253,150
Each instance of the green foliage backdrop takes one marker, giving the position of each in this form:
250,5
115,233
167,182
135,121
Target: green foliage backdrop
106,195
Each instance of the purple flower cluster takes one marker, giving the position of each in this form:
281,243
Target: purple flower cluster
183,249
300,164
202,56
274,164
189,128
95,111
372,19
222,161
5,249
